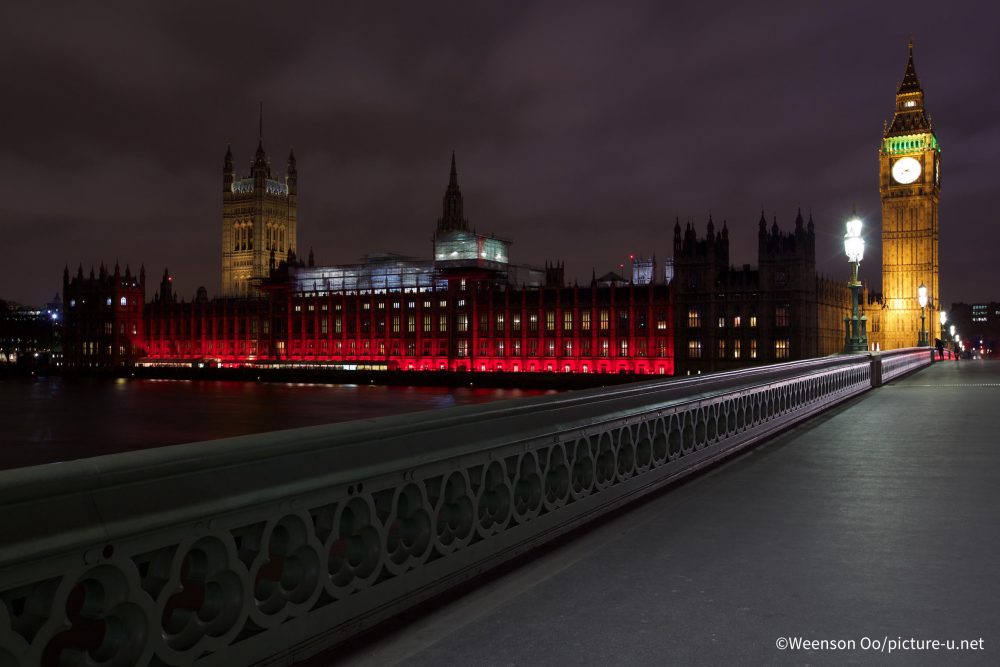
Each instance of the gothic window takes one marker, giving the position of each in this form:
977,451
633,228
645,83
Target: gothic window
585,320
781,316
567,320
694,320
605,318
736,348
722,349
694,349
550,320
500,322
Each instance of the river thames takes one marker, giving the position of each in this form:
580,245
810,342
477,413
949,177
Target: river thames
49,419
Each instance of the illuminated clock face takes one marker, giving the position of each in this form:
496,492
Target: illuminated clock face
905,170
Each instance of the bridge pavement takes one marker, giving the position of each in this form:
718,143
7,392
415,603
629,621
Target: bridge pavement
878,519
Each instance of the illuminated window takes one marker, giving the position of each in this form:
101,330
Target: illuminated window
461,303
722,349
694,349
411,304
533,322
694,321
910,103
605,347
550,347
781,316
567,321
395,305
364,306
463,348
722,322
311,308
781,348
108,328
461,284
623,348
515,322
585,320
444,304
381,305
324,325
462,323
605,319
736,348
550,320
661,321
753,321
443,323
427,323
500,348
395,324
516,348
737,321
298,308
568,348
411,324
753,348
338,325
427,304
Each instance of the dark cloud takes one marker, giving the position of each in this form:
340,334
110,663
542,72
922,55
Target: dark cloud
582,128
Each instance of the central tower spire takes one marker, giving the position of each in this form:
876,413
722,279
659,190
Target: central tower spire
452,214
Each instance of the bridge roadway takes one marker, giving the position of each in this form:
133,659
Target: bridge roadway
876,519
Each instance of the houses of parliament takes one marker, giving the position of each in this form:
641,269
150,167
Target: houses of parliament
470,307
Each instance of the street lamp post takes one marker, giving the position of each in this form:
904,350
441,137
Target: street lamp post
855,335
922,298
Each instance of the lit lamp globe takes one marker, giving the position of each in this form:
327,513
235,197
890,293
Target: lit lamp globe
951,330
854,245
922,295
944,319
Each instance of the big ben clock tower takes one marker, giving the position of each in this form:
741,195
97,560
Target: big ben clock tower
910,186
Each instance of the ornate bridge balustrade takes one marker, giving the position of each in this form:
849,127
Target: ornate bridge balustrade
265,549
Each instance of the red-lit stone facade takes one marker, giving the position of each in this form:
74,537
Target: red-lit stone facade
473,324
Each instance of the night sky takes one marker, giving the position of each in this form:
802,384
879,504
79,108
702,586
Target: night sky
581,129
